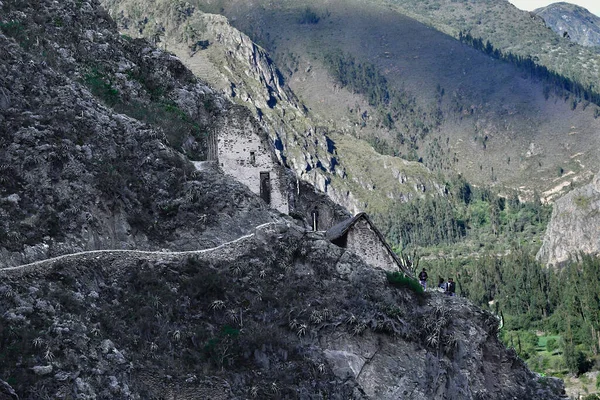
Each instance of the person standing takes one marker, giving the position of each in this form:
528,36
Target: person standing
423,279
451,287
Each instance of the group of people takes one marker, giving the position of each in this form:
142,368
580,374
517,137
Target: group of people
447,287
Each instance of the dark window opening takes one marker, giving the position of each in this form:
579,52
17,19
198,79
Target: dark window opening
265,187
341,241
252,157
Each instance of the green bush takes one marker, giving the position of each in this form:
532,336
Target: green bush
17,31
574,359
100,86
402,280
592,397
551,345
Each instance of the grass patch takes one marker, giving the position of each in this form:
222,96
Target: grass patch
101,86
17,31
400,280
582,202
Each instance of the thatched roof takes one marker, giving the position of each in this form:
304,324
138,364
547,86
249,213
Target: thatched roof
341,229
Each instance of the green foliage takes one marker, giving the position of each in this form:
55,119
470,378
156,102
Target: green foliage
551,345
101,86
402,280
593,396
574,359
182,132
220,348
17,31
524,342
465,215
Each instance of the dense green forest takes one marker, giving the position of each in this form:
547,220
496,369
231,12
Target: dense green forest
487,244
468,218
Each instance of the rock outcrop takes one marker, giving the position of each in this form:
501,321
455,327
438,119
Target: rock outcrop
575,225
282,313
96,134
573,22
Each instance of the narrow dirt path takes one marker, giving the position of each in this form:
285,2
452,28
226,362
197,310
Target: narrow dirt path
150,254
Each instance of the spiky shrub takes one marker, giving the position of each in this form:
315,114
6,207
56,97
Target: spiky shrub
402,280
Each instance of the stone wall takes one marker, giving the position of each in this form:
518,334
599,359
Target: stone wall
307,198
243,153
363,241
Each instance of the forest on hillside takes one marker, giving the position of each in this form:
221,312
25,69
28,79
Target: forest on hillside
487,244
562,85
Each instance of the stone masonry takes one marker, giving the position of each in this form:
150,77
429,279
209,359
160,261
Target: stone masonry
246,155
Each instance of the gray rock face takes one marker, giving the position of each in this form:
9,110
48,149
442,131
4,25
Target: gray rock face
79,175
270,315
570,20
574,226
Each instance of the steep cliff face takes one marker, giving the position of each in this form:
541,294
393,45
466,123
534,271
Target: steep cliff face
316,149
573,22
574,226
282,313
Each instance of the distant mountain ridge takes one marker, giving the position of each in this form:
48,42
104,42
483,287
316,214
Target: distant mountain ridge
572,21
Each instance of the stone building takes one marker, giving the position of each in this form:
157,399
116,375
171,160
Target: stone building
360,235
244,152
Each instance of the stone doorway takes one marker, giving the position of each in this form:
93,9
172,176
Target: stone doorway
265,187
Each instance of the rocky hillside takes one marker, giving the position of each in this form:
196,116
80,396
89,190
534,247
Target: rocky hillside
573,22
317,149
455,108
203,292
97,132
574,227
280,314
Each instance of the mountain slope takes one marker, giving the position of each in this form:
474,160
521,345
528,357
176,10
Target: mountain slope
266,309
572,21
511,30
315,148
461,109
